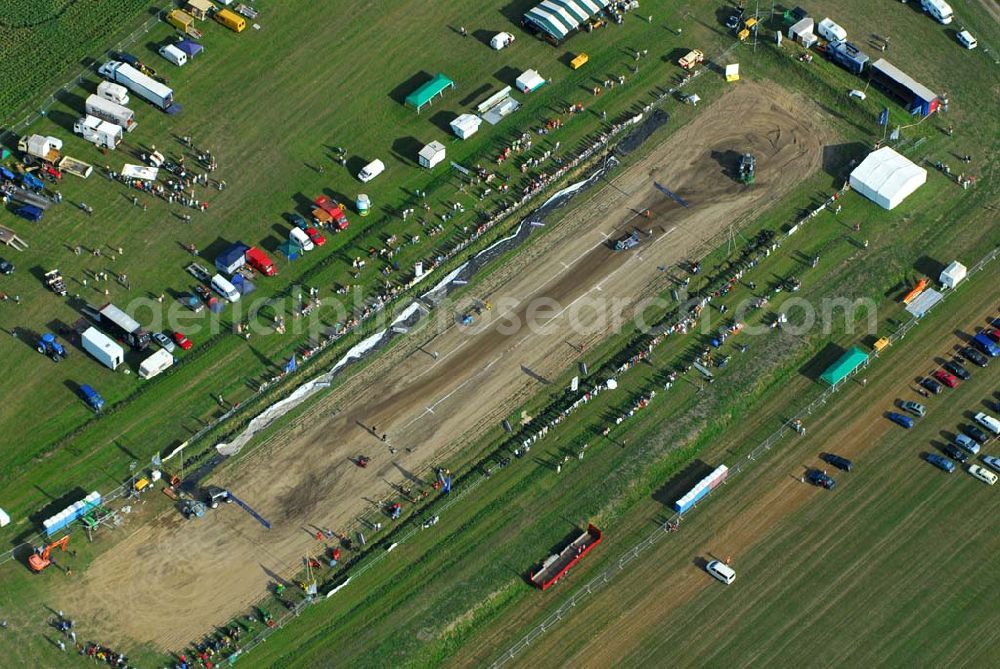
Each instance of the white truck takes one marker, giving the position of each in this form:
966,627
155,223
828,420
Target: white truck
103,348
939,10
111,111
100,133
149,89
113,92
41,146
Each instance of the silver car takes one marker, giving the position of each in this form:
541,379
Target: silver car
164,342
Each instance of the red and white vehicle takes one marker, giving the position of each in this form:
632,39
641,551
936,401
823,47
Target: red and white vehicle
330,212
556,566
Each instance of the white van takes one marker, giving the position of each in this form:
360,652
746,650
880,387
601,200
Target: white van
966,39
983,474
721,571
299,236
371,170
988,421
221,285
173,54
939,9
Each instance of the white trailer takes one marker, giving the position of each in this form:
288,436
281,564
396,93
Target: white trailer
160,95
830,31
111,111
100,133
155,364
103,348
113,92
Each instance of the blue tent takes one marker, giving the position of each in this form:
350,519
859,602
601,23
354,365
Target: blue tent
190,47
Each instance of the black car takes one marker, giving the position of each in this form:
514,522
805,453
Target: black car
931,385
297,220
975,357
837,461
955,453
733,22
821,479
6,266
975,433
957,370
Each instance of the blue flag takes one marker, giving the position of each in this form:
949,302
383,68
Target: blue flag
883,118
447,485
291,365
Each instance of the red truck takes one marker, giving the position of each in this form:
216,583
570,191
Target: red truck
260,262
330,212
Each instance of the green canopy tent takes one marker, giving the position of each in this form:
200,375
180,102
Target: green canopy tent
426,93
853,358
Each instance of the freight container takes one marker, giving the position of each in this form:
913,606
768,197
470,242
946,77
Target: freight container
160,95
231,20
120,325
111,112
103,348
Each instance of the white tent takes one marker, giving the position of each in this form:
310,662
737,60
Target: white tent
431,155
4,518
953,274
465,126
155,364
887,178
529,81
500,40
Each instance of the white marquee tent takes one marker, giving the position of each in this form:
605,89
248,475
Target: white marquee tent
887,178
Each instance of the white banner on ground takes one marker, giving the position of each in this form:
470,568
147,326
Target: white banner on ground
309,388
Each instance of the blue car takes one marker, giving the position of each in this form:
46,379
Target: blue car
900,419
92,397
941,462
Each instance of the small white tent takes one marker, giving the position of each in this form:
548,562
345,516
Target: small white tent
465,125
431,155
953,274
529,81
887,178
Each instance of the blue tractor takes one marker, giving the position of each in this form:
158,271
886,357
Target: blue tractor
48,345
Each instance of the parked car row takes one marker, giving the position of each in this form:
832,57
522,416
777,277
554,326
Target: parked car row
971,438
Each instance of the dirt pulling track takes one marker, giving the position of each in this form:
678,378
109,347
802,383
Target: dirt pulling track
190,580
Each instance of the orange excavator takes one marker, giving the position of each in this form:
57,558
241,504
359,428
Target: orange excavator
40,560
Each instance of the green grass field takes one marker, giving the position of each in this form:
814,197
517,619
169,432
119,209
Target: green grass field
268,140
457,593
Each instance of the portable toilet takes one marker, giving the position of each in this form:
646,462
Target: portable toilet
363,204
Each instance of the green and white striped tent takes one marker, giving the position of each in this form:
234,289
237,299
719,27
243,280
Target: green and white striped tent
558,18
